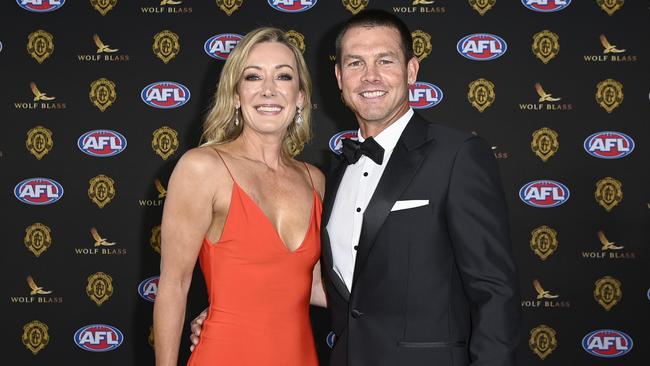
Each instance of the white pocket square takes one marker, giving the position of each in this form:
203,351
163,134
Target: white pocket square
403,205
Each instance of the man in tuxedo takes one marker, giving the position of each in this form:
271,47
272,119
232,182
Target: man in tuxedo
416,256
416,253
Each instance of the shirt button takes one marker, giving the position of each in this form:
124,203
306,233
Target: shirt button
358,209
365,174
356,247
356,314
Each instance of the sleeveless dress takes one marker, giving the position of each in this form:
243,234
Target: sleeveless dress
258,291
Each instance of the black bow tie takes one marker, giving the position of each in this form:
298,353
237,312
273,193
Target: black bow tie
352,150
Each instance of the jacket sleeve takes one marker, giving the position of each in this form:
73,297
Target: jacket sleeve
478,225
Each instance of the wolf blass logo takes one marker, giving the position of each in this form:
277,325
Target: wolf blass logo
544,299
420,6
104,53
611,53
101,246
166,7
40,100
546,102
158,202
608,250
37,295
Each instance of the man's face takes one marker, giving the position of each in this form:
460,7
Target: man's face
373,74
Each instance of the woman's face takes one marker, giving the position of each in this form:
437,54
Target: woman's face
268,91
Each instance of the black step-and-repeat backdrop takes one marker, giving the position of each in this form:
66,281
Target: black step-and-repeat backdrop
101,97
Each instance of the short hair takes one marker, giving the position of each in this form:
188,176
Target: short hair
377,18
219,125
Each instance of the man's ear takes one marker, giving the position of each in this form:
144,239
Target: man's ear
337,72
412,68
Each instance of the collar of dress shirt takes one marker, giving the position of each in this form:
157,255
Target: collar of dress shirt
388,138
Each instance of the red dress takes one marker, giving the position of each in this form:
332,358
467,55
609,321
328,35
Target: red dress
258,291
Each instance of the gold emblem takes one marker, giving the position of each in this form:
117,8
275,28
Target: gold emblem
296,39
546,45
154,240
543,241
609,94
609,193
355,6
39,141
40,45
162,192
151,338
103,6
38,238
36,289
608,47
38,95
101,190
35,336
541,293
610,6
545,143
421,44
165,142
99,241
229,6
99,287
608,292
481,94
607,245
544,96
101,47
482,6
542,340
102,93
166,45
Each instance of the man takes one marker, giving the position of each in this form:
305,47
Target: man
415,251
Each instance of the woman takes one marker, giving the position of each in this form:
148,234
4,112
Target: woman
250,213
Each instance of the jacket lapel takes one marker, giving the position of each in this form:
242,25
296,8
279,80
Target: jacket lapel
331,187
402,166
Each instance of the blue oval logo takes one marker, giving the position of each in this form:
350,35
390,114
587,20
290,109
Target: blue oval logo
101,143
40,6
424,95
38,191
165,94
330,339
607,343
221,45
481,47
335,143
98,338
292,6
148,288
546,6
609,145
544,193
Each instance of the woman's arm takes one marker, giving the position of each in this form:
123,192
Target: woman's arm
318,297
186,217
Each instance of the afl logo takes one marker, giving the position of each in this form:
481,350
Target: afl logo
102,143
331,339
609,145
546,6
149,288
424,95
40,6
98,338
607,343
221,45
165,94
482,47
292,6
335,142
38,191
544,193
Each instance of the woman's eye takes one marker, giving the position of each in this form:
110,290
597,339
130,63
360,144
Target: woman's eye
251,77
285,77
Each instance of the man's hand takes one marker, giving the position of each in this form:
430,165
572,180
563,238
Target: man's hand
196,326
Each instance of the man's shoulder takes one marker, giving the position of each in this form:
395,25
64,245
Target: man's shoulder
443,133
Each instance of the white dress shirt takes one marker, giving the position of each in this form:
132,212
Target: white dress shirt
357,187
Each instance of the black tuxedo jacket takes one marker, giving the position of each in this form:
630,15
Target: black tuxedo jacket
433,285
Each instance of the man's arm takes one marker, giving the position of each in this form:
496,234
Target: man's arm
478,225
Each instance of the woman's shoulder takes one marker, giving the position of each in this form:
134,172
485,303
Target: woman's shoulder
317,177
203,161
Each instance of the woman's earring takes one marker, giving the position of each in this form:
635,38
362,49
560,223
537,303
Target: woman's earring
298,117
236,116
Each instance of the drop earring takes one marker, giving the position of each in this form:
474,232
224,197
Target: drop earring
237,116
298,117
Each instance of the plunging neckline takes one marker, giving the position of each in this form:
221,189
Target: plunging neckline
268,220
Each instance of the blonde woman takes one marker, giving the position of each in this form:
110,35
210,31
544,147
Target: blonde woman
250,213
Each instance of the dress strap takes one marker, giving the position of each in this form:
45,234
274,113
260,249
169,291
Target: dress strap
310,179
224,164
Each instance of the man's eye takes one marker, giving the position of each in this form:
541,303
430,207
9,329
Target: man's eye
385,62
285,77
251,77
355,63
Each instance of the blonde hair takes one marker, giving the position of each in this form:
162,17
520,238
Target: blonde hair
219,125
